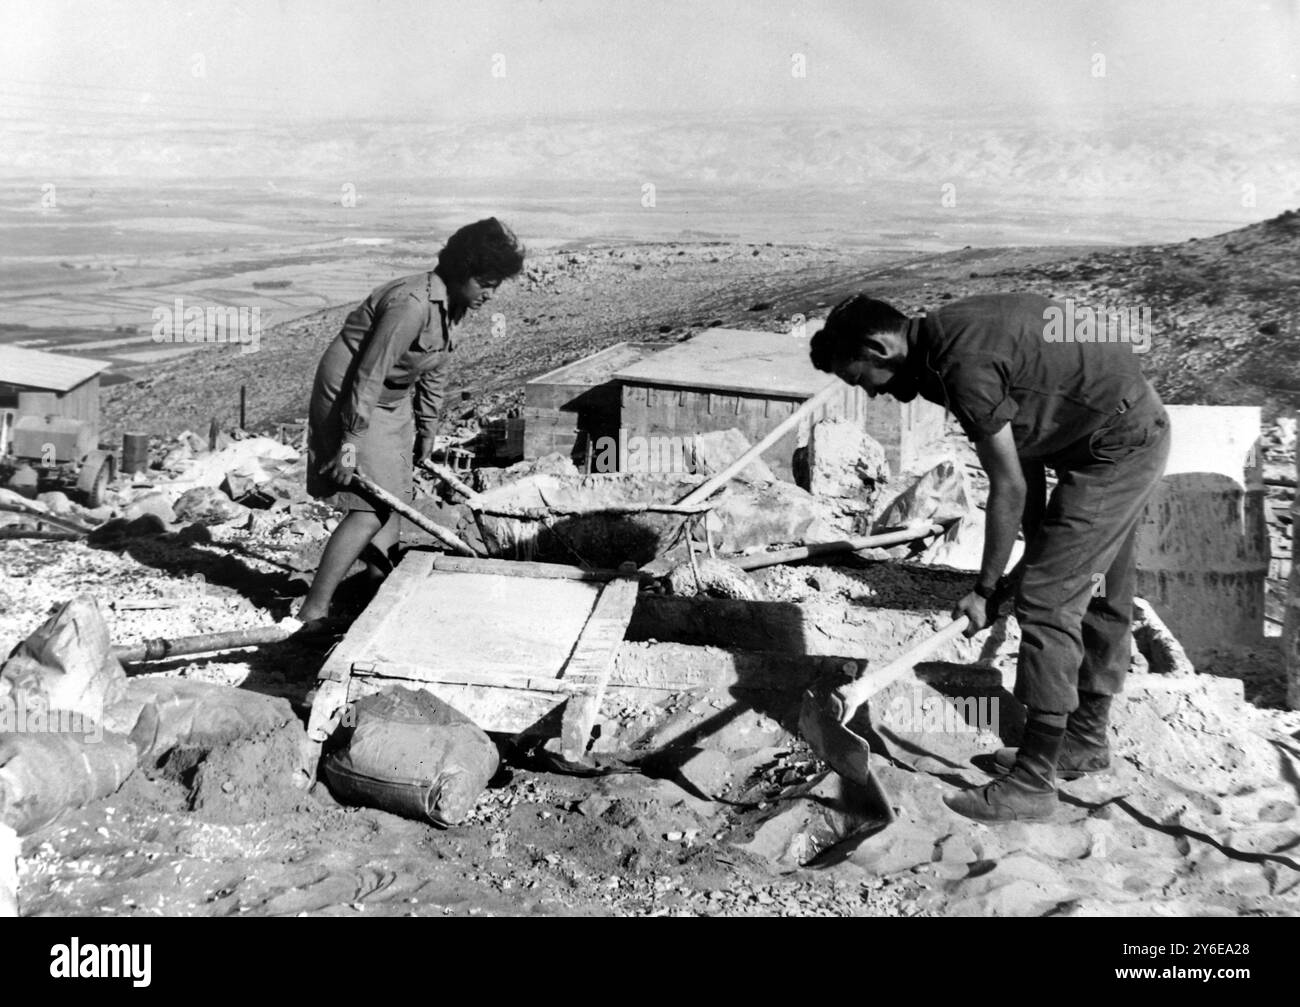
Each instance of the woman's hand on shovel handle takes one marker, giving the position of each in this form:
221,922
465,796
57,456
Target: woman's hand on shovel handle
339,469
974,608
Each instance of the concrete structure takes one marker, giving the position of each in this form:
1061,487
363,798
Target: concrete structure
1202,549
724,378
570,408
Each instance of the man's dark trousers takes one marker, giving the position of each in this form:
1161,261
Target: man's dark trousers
1075,601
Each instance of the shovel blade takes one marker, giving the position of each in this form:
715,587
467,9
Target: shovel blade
843,750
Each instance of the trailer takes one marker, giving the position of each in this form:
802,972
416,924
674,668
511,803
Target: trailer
49,424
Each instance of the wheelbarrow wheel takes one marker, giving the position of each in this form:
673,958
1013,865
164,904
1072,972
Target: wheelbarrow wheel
95,476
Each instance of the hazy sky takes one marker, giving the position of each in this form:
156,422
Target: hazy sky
434,59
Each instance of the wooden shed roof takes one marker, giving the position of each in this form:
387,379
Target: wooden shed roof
52,371
736,361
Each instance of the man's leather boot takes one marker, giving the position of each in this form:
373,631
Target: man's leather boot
1028,792
1085,750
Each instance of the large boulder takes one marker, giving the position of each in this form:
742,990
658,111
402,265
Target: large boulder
207,505
714,451
844,460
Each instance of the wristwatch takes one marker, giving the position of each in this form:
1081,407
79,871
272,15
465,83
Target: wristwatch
984,592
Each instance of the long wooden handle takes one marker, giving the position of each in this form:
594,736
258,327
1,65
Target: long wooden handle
710,486
854,544
880,678
873,681
414,516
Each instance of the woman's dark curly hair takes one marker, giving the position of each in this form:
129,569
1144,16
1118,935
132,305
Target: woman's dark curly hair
484,250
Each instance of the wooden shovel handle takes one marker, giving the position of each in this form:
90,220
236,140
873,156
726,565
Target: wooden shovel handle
447,538
876,679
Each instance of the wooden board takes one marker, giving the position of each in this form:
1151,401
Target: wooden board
592,661
519,568
467,622
505,643
738,361
524,647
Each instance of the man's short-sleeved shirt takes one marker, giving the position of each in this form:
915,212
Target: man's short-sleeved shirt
995,359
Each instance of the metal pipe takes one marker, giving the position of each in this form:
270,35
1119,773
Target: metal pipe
159,648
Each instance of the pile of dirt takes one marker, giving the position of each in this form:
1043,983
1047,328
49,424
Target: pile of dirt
250,780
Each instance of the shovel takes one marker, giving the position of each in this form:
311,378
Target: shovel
826,711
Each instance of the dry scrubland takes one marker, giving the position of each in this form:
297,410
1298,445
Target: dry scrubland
1224,311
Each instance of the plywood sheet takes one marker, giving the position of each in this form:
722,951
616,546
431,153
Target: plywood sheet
466,622
484,623
738,361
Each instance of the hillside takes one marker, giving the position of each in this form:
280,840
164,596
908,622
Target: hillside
1224,315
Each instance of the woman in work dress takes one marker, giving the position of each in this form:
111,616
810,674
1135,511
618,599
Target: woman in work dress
378,391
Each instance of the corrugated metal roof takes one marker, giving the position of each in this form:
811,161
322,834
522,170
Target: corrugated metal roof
53,371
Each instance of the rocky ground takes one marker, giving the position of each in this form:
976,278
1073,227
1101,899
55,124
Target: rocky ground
1201,816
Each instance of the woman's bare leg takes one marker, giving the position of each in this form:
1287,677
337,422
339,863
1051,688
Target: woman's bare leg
383,543
353,534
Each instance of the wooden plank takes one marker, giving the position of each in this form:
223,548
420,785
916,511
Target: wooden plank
405,579
732,361
486,623
447,676
467,620
502,711
520,568
644,675
592,661
653,667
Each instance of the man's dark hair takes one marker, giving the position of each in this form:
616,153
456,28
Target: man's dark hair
847,328
484,250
